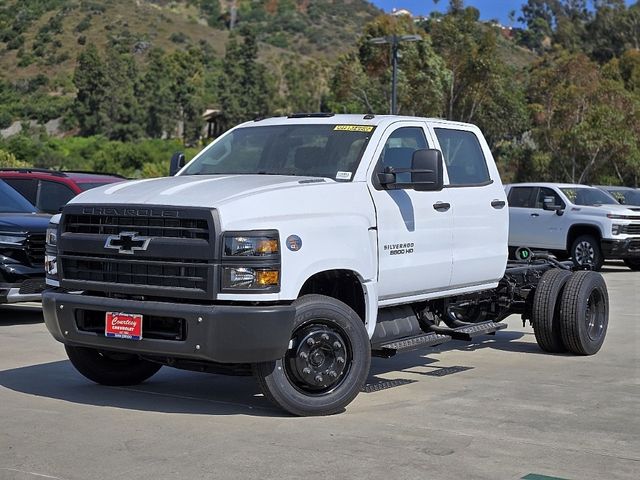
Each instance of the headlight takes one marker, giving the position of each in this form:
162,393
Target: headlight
248,278
11,238
250,244
251,261
52,236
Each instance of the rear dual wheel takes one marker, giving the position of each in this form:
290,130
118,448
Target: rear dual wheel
570,312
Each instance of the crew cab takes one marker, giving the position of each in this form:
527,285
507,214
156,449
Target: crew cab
583,222
298,247
22,245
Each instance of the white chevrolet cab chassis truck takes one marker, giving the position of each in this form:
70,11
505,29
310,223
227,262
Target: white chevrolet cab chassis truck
295,249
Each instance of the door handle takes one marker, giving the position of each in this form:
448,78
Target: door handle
535,214
441,206
498,204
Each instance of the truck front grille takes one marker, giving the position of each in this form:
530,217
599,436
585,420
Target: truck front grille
175,254
631,229
35,248
147,226
174,273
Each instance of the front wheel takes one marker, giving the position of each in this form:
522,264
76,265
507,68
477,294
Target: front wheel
585,251
327,362
111,368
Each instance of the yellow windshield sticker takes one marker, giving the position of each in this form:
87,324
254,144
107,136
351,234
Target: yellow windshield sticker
354,128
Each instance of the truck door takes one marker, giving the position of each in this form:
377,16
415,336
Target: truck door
414,228
478,206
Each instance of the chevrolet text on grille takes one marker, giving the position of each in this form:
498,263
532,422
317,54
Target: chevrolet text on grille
133,212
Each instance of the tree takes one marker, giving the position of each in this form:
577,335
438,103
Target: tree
157,96
89,80
245,89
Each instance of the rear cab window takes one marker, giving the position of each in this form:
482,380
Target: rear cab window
463,157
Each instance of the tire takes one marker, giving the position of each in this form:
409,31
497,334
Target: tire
111,368
584,313
585,250
311,379
545,312
632,263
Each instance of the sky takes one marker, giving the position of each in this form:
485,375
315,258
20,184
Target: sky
489,9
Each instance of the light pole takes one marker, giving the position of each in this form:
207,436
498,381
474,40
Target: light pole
394,40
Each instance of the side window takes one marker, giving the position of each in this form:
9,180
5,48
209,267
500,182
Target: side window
398,150
52,196
547,192
522,197
463,157
25,187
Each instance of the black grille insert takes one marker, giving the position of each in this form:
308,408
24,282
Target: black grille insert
191,228
35,248
631,229
153,326
160,272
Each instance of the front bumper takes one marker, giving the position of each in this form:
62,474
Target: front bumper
214,333
20,283
619,249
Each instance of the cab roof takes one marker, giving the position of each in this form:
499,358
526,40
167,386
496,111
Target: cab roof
346,119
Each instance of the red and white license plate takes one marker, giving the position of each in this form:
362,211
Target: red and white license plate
123,325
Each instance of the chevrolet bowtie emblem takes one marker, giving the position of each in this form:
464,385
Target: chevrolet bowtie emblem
127,242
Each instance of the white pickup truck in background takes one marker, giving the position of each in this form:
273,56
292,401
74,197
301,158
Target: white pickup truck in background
295,248
580,221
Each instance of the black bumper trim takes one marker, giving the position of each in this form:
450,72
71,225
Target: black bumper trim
226,333
619,249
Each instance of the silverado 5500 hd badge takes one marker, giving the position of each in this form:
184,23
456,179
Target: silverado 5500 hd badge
399,248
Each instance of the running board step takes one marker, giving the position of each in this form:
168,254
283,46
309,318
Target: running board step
407,344
470,331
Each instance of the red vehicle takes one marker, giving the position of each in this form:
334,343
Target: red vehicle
50,190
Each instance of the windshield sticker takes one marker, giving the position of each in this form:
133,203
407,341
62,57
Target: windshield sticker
343,176
354,128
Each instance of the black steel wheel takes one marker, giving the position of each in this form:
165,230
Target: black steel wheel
545,312
111,368
327,362
632,263
585,251
584,313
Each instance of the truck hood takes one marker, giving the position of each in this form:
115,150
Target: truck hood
24,222
603,210
193,191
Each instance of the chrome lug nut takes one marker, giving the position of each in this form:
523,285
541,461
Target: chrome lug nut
318,379
306,370
333,374
303,355
311,342
324,337
337,345
340,360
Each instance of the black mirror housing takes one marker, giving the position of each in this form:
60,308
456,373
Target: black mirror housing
178,161
427,170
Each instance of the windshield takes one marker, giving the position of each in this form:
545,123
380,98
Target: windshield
12,202
588,196
626,197
331,151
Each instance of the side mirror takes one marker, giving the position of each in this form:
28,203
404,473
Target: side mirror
177,162
549,204
426,170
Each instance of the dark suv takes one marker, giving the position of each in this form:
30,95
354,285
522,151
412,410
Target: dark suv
22,243
50,190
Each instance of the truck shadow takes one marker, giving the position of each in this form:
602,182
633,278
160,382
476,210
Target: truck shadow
169,391
177,391
20,315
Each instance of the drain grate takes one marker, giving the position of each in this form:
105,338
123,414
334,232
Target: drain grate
385,385
443,371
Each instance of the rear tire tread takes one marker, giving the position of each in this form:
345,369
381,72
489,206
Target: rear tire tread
545,316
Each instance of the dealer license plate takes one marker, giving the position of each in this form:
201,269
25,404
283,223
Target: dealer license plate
123,325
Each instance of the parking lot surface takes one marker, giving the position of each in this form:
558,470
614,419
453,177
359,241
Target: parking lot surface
495,409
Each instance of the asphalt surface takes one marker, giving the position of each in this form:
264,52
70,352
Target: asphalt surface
496,409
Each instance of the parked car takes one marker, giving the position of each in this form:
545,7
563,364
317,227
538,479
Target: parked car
22,244
576,220
624,195
50,190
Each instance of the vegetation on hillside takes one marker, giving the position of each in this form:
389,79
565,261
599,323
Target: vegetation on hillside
558,100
